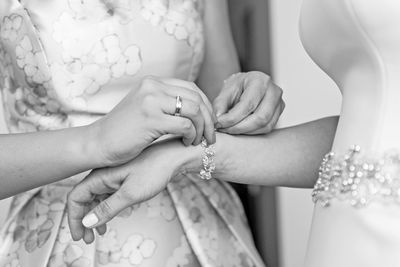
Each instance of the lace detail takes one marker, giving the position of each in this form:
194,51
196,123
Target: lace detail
358,179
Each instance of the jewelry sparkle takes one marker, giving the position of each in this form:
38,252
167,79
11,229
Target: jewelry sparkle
207,160
358,179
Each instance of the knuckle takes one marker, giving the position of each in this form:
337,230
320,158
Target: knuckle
104,209
196,109
124,195
262,120
259,75
279,91
186,125
148,102
148,83
234,76
268,128
198,98
283,105
251,106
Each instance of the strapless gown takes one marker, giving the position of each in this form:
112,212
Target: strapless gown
66,63
357,213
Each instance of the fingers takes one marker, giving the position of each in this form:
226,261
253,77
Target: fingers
192,86
88,236
249,127
229,95
264,117
250,99
83,196
194,109
102,229
180,126
106,210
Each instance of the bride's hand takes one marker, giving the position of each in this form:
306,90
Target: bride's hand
146,114
249,103
104,193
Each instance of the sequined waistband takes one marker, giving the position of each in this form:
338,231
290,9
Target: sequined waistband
358,178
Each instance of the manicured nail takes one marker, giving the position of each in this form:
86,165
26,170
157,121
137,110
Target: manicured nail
90,220
218,125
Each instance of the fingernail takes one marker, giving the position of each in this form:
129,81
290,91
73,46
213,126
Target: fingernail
185,142
90,220
97,230
218,125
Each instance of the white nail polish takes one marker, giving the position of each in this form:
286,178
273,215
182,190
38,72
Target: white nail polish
90,220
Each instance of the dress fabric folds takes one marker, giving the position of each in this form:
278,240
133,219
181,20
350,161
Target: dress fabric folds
67,63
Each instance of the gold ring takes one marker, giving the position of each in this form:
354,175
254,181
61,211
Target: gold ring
178,106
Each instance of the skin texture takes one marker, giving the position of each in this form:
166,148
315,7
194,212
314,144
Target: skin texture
48,156
141,117
249,103
239,91
266,163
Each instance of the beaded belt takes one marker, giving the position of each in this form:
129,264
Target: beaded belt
358,179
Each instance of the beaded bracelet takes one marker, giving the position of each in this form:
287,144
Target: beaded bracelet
208,160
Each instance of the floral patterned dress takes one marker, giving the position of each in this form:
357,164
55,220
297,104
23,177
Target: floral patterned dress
66,63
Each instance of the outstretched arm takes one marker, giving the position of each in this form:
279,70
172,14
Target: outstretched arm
145,114
286,157
34,159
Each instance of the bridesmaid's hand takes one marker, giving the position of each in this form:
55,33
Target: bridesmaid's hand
249,103
104,193
146,114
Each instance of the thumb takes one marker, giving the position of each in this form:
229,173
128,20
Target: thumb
105,211
221,103
230,93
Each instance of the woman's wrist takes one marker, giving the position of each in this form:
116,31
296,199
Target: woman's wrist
191,159
184,159
90,146
192,156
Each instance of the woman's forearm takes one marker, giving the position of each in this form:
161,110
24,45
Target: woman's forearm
286,157
34,159
220,59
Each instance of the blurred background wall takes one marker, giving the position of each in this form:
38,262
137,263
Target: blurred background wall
309,94
266,33
267,37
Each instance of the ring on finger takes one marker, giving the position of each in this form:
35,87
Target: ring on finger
178,106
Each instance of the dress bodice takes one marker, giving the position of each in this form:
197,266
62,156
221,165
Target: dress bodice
65,63
357,216
356,43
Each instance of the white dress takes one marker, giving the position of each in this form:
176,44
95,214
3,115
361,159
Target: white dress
357,214
66,63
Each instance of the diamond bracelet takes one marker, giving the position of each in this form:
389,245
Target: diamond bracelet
207,160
